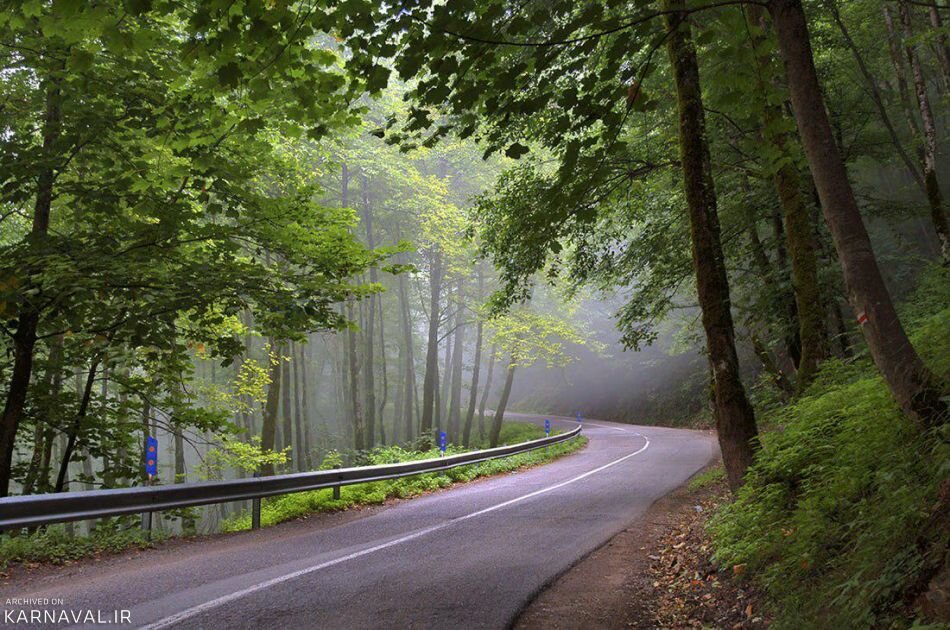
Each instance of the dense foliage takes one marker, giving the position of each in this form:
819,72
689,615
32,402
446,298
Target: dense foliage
840,518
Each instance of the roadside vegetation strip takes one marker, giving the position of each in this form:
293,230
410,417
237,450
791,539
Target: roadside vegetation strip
291,506
55,544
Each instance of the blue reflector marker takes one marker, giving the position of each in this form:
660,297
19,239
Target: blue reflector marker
547,427
151,456
443,441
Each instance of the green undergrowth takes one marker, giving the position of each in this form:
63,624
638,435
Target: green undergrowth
293,506
836,519
55,545
707,478
515,432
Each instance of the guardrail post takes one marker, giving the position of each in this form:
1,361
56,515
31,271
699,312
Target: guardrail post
147,517
256,508
336,489
147,524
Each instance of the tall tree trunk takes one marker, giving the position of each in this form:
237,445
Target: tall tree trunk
828,257
300,447
369,365
455,401
353,371
476,364
430,381
271,403
811,321
75,427
33,470
910,381
442,416
306,443
402,375
344,419
934,195
383,399
502,404
893,44
488,382
43,480
42,431
24,338
792,337
473,393
408,416
108,478
735,420
766,271
248,414
356,403
286,416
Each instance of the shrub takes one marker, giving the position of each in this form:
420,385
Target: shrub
833,517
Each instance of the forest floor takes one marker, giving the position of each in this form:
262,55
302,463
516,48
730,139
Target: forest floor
655,574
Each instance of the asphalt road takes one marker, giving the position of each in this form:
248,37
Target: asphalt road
469,557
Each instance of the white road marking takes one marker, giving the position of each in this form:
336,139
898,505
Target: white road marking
604,426
214,603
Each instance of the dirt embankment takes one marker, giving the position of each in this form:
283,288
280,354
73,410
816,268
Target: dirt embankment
655,574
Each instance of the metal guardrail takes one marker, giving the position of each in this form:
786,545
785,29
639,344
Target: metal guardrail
44,509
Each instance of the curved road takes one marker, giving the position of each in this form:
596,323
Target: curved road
468,557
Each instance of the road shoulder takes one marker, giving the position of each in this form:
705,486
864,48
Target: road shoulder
656,573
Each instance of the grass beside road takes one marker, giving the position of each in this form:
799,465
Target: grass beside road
54,545
291,506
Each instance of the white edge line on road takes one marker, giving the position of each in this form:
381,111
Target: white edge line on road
214,603
604,426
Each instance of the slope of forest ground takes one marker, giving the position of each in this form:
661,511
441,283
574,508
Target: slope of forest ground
658,572
842,522
54,545
843,519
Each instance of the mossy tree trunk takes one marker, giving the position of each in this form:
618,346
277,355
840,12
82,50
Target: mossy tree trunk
735,419
798,228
